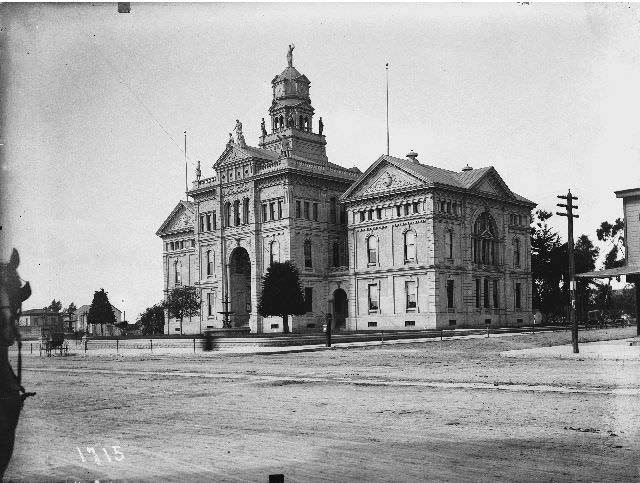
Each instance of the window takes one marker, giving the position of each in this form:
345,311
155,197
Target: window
378,213
496,300
414,205
245,211
209,263
450,292
279,209
486,293
210,304
272,211
264,212
213,220
298,209
518,296
177,267
372,250
410,246
398,210
308,299
370,215
236,212
485,240
448,244
516,253
374,297
172,245
487,321
362,216
315,212
202,223
274,252
372,324
477,293
306,211
406,209
448,207
409,323
412,294
452,322
333,211
307,254
208,217
454,208
336,254
343,215
227,214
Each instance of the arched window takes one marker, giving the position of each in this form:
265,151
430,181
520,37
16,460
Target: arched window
448,244
516,253
209,258
236,212
245,211
274,252
177,270
308,262
372,250
307,124
227,214
410,246
301,122
485,240
336,254
281,123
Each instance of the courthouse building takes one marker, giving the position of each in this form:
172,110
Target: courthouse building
403,245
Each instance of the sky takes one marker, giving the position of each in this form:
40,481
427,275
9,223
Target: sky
95,104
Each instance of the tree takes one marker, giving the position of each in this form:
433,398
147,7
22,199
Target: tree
545,269
71,309
100,311
614,234
151,321
281,293
55,306
585,255
182,302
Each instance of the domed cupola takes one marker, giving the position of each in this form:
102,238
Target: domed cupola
291,116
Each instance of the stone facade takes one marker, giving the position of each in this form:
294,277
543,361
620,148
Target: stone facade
391,248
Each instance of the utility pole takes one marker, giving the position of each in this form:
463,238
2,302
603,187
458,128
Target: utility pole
572,281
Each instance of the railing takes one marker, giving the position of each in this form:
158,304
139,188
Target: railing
204,182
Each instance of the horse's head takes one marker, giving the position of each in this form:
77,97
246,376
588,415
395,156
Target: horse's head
12,294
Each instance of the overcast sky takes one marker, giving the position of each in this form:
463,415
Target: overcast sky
96,102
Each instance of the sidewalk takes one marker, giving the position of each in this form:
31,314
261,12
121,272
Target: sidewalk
612,350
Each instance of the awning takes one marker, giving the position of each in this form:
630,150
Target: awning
611,272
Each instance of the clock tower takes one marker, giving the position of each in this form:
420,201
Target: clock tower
291,114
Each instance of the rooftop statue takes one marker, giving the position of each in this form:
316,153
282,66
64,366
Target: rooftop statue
290,55
239,135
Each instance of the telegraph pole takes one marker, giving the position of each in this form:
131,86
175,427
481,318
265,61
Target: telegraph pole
572,281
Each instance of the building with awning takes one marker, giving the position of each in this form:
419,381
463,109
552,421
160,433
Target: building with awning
631,267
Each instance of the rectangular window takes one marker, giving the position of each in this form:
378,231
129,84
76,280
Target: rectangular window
487,321
369,214
209,263
343,215
398,210
306,211
308,261
496,300
275,326
210,304
378,213
372,324
411,290
374,300
452,322
213,220
486,293
201,223
518,296
450,289
279,209
362,216
409,323
209,216
308,299
454,208
415,206
406,209
298,209
264,212
315,212
272,211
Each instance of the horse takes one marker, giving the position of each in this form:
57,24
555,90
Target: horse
12,394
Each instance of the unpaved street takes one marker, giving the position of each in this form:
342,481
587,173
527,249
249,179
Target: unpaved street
453,410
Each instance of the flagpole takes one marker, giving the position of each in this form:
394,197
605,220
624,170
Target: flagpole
387,70
186,186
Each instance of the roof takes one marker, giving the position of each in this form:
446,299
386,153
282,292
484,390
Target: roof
434,176
289,73
187,205
246,151
628,193
40,312
611,272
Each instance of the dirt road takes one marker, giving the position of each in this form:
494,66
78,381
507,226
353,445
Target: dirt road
450,411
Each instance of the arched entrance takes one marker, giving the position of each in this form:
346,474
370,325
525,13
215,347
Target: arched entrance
340,311
240,287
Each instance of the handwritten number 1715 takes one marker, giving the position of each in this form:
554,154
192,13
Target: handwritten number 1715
117,454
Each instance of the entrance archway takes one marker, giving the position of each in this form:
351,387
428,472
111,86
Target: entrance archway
240,287
340,310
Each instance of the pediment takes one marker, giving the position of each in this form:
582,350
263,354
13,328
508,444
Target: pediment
493,185
387,179
182,218
232,154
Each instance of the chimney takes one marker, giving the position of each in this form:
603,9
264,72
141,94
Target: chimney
467,168
413,156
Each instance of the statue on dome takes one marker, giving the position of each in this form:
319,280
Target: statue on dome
290,121
230,139
198,171
290,55
320,126
284,145
239,135
263,128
